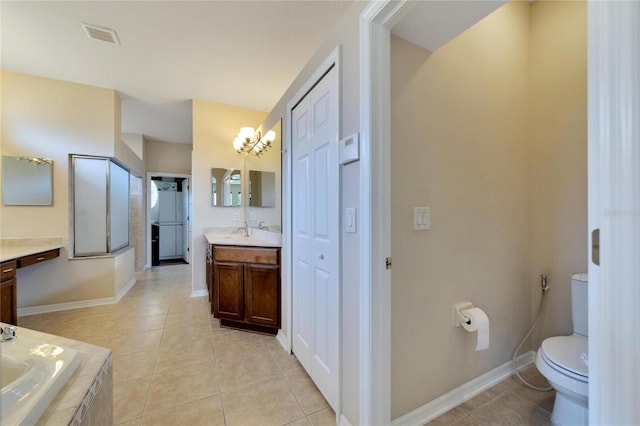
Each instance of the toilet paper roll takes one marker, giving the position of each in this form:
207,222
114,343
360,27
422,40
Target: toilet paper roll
479,321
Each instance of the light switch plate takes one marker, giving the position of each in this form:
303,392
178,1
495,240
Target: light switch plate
421,218
350,220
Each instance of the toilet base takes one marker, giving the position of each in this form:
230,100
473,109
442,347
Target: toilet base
569,412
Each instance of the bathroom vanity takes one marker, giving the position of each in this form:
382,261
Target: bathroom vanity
243,280
19,253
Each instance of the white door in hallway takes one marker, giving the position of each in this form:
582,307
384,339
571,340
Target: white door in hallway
316,249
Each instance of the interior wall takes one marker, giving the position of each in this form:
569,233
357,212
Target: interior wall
558,157
214,128
167,157
346,36
459,146
49,118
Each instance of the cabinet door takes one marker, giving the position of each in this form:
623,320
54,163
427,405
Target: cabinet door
8,302
262,294
228,291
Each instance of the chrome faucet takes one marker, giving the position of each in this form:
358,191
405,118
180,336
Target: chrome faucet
245,228
261,226
7,333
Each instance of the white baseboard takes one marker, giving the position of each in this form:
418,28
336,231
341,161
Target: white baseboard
124,290
199,293
43,309
457,396
284,341
55,307
344,421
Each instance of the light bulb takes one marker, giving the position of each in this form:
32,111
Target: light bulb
270,136
247,132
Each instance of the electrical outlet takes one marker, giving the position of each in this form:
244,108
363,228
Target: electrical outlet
252,216
236,216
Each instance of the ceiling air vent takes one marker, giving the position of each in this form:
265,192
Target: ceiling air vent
100,33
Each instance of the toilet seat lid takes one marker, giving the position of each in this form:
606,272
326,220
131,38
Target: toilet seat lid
569,353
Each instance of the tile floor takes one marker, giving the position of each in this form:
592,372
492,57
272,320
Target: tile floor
507,403
174,365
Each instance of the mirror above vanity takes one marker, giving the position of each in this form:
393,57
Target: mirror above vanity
262,189
226,187
27,181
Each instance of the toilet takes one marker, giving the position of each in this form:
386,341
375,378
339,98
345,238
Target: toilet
564,361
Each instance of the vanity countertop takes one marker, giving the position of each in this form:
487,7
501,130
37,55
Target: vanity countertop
256,238
70,404
13,248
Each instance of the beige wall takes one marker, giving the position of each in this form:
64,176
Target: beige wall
459,146
557,156
167,157
51,118
490,132
214,128
135,141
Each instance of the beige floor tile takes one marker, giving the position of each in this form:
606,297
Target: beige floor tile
238,342
269,402
125,342
135,422
239,369
136,365
173,335
306,392
300,422
324,417
128,400
510,409
203,412
174,357
181,386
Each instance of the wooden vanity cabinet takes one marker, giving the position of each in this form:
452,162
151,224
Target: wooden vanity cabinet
8,293
246,287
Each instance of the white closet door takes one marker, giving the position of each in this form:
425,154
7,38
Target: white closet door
316,249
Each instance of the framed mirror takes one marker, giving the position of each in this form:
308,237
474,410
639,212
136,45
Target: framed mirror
262,189
27,181
226,187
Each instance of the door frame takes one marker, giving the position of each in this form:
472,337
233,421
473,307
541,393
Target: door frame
285,334
376,21
148,213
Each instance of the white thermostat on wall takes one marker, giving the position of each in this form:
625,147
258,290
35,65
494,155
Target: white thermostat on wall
350,149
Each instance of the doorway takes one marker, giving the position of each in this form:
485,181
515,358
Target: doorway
169,219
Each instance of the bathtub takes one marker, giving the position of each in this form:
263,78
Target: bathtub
32,373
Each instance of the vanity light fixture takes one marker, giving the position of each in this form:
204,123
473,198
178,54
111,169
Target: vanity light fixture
251,141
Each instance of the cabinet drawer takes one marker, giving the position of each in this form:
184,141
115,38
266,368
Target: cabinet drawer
267,256
39,257
8,269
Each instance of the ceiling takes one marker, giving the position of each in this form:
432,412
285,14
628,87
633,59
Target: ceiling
243,53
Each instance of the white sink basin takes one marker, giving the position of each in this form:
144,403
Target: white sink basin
32,374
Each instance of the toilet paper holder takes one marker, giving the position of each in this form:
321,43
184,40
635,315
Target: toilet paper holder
458,317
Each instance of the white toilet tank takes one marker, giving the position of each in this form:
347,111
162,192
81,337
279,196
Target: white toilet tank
579,304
